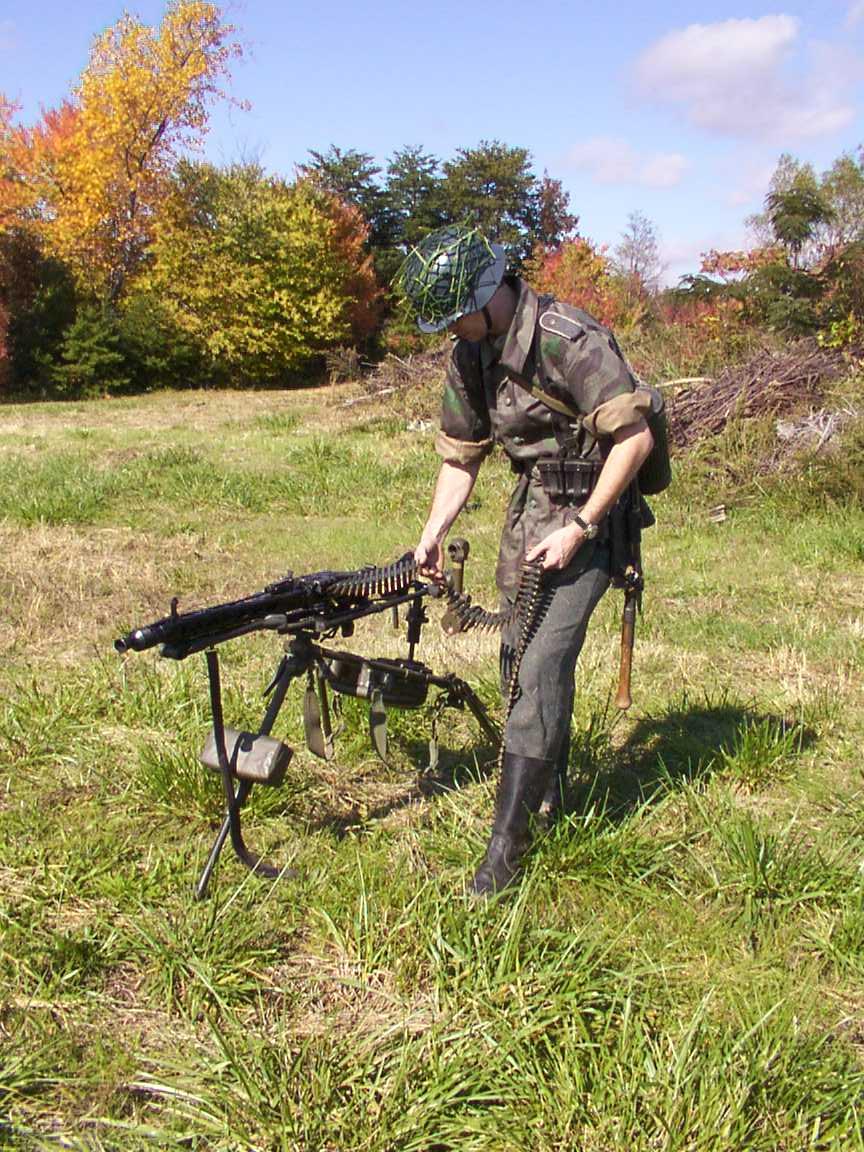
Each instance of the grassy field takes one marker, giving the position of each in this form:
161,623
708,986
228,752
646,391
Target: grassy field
683,967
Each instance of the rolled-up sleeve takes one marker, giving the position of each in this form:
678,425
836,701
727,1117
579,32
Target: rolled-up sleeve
455,451
619,412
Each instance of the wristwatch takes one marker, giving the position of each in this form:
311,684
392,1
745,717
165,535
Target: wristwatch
590,530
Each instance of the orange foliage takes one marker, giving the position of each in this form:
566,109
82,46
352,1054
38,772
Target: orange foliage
729,265
348,240
91,176
578,273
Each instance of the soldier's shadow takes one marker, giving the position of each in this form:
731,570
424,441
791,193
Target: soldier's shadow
679,745
685,744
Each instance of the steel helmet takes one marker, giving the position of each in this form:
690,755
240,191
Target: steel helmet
452,271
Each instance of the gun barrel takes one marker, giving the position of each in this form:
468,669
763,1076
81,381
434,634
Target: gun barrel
296,601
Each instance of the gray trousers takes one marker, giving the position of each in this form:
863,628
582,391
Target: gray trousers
539,724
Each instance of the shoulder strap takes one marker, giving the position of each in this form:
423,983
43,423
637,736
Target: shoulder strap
539,394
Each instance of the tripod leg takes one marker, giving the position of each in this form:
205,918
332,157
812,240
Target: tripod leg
466,693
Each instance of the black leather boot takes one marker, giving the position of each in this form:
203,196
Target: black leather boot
524,780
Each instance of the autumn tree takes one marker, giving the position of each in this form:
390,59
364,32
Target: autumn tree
580,274
352,176
98,168
263,275
551,222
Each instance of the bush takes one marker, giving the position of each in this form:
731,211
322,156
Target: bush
91,358
157,352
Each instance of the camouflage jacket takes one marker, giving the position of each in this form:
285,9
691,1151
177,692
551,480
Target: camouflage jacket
572,358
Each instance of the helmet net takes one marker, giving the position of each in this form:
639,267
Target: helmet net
439,275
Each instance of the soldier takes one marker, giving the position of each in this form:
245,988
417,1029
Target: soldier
519,363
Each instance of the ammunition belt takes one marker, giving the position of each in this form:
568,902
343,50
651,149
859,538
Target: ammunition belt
397,578
392,579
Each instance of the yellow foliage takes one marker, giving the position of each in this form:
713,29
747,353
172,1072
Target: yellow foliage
262,275
99,170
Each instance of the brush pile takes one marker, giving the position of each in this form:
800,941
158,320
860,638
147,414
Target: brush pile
768,384
414,383
413,370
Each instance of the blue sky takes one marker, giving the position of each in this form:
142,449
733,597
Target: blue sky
677,110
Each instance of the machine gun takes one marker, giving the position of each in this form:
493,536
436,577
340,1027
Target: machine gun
307,610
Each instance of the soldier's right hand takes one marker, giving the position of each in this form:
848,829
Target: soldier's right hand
429,557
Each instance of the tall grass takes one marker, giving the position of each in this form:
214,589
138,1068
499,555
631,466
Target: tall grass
680,969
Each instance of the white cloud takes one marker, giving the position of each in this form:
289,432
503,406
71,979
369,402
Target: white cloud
733,78
745,179
682,256
855,15
612,160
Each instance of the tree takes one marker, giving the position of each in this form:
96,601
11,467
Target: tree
794,216
414,193
493,186
98,168
261,274
580,274
551,222
637,255
352,176
843,188
789,173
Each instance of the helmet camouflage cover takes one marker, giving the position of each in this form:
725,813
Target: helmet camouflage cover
452,271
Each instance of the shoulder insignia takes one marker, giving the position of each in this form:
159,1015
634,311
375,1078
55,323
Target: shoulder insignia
561,325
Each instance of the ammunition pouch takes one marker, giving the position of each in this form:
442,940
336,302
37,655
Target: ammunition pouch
568,479
390,680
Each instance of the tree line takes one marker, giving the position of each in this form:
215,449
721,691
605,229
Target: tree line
124,264
804,273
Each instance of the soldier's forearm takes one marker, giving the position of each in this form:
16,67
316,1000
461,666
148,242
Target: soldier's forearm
452,489
628,453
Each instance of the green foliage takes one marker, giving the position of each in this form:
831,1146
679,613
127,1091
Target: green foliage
351,176
491,186
91,358
794,216
41,296
842,187
414,191
262,275
158,352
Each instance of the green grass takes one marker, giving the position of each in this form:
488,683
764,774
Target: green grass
680,970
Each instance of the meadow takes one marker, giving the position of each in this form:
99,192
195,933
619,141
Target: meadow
682,968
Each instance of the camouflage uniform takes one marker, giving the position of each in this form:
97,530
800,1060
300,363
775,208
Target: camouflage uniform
575,360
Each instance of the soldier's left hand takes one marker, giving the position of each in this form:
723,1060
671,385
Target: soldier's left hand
558,548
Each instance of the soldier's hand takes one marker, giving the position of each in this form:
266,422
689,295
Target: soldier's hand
428,555
558,548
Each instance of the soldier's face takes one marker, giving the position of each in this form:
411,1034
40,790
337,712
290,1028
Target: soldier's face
471,326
